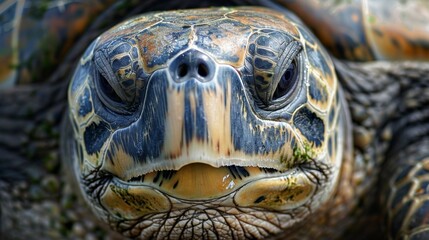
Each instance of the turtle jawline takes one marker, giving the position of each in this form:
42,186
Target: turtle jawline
237,172
199,181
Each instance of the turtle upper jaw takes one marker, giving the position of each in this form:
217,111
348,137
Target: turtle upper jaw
202,175
127,169
199,169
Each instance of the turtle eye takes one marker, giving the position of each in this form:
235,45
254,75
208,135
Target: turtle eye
287,82
107,91
276,75
115,92
112,96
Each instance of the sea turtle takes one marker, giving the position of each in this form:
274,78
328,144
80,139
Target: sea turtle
215,123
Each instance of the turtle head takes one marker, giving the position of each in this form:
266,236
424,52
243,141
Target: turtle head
212,121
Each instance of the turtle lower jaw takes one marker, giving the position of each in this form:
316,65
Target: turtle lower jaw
251,186
197,184
259,202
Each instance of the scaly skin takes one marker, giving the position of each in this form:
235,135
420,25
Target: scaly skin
390,132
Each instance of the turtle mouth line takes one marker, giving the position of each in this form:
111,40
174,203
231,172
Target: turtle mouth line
134,172
202,181
237,172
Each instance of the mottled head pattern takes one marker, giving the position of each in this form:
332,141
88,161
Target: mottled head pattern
208,123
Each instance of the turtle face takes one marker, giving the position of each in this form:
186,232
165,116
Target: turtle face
206,123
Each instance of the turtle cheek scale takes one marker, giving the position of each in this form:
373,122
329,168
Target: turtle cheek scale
126,201
286,192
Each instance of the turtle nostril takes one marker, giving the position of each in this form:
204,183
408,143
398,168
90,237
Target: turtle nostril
182,70
192,65
203,70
